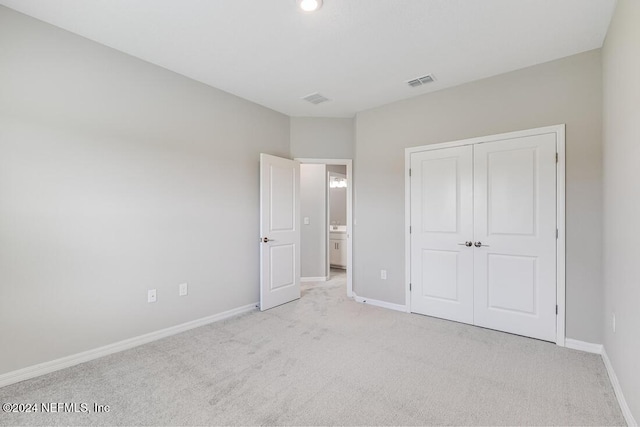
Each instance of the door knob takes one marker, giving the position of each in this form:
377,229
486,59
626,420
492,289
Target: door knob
467,244
478,244
267,240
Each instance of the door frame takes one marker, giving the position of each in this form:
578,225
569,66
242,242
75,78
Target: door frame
559,131
349,164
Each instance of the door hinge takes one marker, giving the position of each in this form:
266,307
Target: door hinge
556,309
409,286
557,157
409,171
409,229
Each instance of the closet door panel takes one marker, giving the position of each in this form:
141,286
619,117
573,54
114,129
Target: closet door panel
515,236
441,221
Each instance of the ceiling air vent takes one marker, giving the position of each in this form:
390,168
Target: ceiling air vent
316,98
429,78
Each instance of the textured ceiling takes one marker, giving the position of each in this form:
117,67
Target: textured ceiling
358,53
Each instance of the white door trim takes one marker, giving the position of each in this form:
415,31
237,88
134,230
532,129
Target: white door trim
349,164
559,130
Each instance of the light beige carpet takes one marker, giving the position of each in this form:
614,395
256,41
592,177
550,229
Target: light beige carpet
327,360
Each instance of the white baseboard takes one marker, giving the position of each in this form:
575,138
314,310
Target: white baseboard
378,303
599,349
75,359
583,346
314,279
626,411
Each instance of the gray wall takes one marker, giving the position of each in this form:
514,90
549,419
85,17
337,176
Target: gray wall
322,138
338,198
621,64
313,204
337,168
338,206
117,176
567,91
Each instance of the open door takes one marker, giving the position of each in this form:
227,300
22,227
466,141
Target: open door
279,231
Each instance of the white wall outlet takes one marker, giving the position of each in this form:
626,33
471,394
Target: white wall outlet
383,274
306,220
151,295
183,289
613,323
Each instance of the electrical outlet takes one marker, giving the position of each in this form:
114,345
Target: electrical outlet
383,274
183,289
151,295
306,220
613,323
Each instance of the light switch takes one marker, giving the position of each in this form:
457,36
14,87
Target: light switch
183,289
306,220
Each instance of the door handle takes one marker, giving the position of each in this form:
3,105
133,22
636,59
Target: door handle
467,244
478,244
267,240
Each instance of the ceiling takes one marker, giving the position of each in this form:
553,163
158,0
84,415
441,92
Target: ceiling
357,53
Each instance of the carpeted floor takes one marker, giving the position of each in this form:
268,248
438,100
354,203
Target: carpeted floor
327,360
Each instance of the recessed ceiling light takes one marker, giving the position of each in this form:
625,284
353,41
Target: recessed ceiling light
309,5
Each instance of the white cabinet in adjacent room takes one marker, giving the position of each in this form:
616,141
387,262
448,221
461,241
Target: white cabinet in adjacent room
338,246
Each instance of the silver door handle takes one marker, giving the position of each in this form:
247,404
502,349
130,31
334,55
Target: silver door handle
467,244
478,244
267,240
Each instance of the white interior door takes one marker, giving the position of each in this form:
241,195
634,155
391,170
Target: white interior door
441,233
515,221
279,231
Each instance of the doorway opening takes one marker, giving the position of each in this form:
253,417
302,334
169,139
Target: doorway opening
326,248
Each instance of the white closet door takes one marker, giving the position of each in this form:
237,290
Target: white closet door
442,221
515,221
